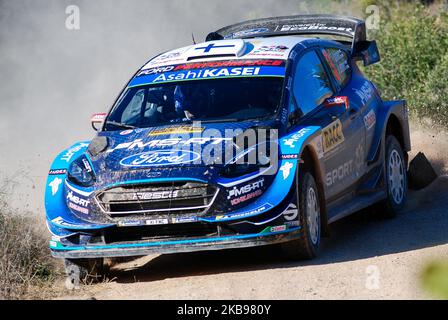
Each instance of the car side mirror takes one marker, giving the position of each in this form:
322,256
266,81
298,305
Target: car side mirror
97,120
367,51
337,101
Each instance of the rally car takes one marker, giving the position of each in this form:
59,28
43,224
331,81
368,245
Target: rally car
266,133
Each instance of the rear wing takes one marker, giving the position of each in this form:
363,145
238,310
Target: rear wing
347,27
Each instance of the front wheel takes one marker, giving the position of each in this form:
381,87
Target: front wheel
307,194
396,179
83,271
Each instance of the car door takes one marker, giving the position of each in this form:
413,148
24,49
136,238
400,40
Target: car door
342,129
345,166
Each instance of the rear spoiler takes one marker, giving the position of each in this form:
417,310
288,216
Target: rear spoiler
352,28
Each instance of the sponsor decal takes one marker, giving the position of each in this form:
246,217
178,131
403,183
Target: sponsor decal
332,135
60,221
239,191
255,211
248,32
273,48
54,184
339,174
160,158
130,223
370,119
208,73
284,116
170,194
77,208
126,132
231,63
72,151
184,219
87,165
294,223
246,197
295,137
365,93
76,203
337,101
155,70
312,26
176,130
169,55
77,200
290,156
152,222
278,228
139,144
286,169
291,212
56,172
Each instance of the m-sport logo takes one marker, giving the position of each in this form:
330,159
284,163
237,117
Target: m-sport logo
160,158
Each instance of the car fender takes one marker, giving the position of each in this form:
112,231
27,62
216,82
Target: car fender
388,108
291,147
59,217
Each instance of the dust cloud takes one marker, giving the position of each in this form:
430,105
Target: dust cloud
53,78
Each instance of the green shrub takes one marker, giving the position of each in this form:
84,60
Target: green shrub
413,44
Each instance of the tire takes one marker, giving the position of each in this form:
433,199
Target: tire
396,179
83,271
307,246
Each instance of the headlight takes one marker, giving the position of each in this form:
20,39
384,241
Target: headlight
80,172
235,170
249,161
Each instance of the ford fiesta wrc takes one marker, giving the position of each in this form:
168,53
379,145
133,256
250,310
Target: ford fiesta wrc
264,134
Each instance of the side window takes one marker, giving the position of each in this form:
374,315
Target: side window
338,62
311,84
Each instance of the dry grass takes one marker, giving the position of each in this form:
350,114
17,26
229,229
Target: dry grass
25,263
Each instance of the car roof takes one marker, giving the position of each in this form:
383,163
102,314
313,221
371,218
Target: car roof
232,49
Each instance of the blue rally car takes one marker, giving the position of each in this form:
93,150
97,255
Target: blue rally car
264,134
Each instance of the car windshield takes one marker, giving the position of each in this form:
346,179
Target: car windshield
215,100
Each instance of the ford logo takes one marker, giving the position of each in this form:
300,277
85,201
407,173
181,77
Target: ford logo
160,158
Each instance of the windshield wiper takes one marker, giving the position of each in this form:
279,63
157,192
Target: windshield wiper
121,125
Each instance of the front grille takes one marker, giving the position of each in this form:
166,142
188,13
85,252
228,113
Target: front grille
173,231
179,197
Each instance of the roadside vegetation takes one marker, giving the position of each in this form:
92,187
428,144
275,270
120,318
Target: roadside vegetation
413,43
25,263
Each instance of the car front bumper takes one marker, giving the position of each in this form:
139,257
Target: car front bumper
173,246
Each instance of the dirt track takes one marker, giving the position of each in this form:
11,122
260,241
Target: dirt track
365,258
360,249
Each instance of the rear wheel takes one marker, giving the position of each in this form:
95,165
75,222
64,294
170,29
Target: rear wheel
306,200
83,271
396,179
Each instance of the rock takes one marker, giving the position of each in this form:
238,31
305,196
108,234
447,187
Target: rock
421,172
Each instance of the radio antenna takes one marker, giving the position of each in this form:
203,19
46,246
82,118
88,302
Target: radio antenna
192,37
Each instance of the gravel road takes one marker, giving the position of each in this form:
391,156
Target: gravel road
364,258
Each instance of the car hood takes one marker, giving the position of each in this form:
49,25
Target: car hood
168,151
